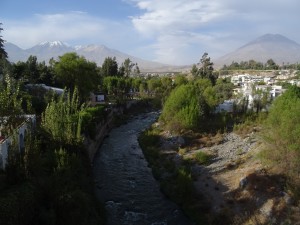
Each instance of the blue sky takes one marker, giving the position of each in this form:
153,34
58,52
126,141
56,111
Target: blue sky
176,32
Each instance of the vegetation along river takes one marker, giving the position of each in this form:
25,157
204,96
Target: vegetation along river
124,182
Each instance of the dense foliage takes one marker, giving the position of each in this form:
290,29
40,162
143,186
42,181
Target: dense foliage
62,119
3,53
252,65
206,69
192,103
75,71
282,132
50,182
182,108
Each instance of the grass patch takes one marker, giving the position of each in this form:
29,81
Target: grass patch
203,158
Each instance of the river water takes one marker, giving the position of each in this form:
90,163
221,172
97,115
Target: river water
125,183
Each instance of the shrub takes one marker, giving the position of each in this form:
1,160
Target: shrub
182,109
282,131
202,157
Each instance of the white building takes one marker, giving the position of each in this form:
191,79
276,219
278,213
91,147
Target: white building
5,142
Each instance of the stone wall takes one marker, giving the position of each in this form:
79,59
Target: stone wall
102,130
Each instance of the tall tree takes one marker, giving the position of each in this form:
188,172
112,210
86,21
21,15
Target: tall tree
128,65
206,69
75,71
182,109
3,54
281,133
136,69
10,105
62,120
194,71
271,65
32,73
109,67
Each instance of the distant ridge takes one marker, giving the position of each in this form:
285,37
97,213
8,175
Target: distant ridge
269,46
96,53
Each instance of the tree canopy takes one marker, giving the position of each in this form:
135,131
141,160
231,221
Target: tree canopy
282,132
109,67
75,71
205,70
3,54
182,109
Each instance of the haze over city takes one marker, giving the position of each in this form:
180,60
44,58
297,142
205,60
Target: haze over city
175,32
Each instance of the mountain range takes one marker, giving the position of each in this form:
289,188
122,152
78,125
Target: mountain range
95,53
269,46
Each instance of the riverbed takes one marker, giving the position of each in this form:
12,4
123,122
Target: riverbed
124,181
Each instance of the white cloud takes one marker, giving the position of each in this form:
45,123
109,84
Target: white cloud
184,28
168,31
73,27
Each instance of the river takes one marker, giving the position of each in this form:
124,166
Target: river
125,183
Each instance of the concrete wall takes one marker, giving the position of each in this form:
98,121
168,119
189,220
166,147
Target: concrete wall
102,130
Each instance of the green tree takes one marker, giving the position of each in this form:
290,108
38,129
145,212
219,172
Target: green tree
75,71
3,54
182,109
136,83
62,120
202,84
210,96
46,74
180,79
136,69
128,66
110,85
31,72
271,65
121,71
154,86
10,98
206,69
281,133
194,71
261,98
18,70
109,67
224,90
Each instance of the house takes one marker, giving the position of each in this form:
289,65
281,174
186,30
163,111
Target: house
97,98
7,141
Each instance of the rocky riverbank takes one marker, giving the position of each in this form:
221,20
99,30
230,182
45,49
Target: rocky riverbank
233,183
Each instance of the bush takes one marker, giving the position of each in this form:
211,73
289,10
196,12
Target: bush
182,109
91,117
202,157
281,133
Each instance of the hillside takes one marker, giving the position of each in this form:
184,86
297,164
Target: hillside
269,46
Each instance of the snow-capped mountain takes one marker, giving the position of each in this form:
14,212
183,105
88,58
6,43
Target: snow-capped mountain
51,44
96,53
46,50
